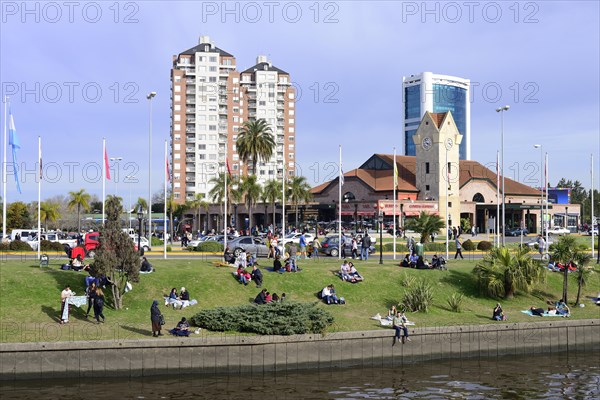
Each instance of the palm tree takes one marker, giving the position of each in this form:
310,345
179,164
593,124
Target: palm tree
49,212
250,189
426,224
141,202
299,192
501,274
79,199
583,272
270,194
565,252
198,203
255,142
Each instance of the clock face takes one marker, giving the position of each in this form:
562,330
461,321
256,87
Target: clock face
449,143
427,143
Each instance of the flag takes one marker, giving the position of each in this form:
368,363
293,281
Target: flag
168,171
228,167
40,154
395,173
107,173
13,141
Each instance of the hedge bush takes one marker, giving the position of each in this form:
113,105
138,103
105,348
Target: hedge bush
287,318
154,241
18,245
484,245
401,248
4,247
439,247
468,245
210,247
51,246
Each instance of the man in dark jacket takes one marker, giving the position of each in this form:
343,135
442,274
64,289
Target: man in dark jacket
257,275
261,298
365,245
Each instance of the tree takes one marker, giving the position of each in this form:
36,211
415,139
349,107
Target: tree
565,251
17,216
270,194
299,192
79,200
140,202
116,257
426,224
198,203
501,274
583,272
217,193
48,212
250,189
255,142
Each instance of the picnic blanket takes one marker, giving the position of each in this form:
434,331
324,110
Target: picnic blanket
545,314
387,321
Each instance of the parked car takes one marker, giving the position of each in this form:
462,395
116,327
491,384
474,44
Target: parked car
144,243
91,242
589,231
251,244
330,246
517,232
53,237
295,237
557,230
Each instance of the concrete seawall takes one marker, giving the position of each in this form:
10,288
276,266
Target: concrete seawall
257,354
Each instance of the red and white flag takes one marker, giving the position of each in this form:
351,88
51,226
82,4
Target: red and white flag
106,168
228,167
167,169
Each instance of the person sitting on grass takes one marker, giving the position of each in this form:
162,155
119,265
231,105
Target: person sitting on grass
268,297
228,256
413,260
182,328
275,298
328,295
422,263
241,260
354,275
277,267
261,298
406,262
242,275
257,275
78,265
184,297
146,267
345,271
172,299
498,314
562,308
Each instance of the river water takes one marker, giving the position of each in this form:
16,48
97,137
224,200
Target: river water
557,376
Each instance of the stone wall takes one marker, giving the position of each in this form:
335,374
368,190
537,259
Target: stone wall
241,354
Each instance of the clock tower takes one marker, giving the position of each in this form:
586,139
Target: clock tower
437,143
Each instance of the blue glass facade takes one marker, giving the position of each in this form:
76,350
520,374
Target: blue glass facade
412,102
408,139
453,99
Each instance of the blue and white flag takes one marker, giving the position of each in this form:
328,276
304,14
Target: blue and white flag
13,141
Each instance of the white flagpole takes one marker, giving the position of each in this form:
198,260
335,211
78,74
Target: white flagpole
547,205
225,209
592,209
283,205
497,237
103,178
39,199
394,225
4,164
165,210
340,206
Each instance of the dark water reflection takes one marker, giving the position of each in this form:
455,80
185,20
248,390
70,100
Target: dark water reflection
572,376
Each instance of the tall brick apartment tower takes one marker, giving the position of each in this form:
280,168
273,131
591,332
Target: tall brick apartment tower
210,101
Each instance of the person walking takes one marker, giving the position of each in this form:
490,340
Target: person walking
354,248
343,245
458,249
365,245
99,305
156,318
91,295
316,245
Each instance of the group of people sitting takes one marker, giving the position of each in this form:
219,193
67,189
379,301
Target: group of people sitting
559,308
244,276
180,300
419,262
329,296
349,273
76,264
290,265
265,297
558,267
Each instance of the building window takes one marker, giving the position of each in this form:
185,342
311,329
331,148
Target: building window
449,204
213,59
212,78
427,169
426,187
201,156
212,69
201,147
478,198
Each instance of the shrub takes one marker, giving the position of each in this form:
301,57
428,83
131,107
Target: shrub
468,245
51,246
440,247
154,241
169,248
210,247
417,298
408,280
18,245
455,302
400,248
286,318
4,246
484,245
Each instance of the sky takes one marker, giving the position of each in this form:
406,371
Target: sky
78,72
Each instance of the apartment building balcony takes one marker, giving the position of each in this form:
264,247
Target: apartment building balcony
251,96
222,100
223,71
190,71
190,159
190,120
191,92
190,130
280,124
190,169
252,114
190,110
280,98
222,110
190,100
190,81
222,82
190,139
190,149
280,115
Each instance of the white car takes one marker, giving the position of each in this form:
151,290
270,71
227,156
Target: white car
295,237
558,231
144,243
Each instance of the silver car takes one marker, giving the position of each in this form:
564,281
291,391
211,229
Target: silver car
252,245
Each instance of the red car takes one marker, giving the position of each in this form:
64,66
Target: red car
91,243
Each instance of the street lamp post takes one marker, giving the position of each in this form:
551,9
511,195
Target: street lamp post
380,235
501,110
541,147
129,179
150,96
117,159
140,215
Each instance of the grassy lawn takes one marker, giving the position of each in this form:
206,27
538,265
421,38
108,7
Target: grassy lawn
30,297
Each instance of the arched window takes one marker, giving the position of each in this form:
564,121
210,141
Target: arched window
478,198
